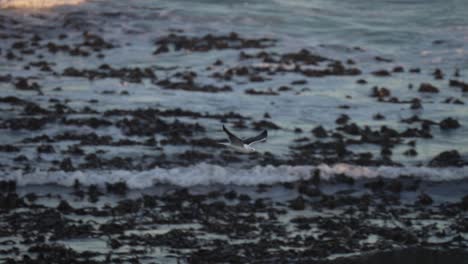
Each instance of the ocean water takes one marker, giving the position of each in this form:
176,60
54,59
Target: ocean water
412,34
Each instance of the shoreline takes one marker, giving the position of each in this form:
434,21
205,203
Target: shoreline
301,221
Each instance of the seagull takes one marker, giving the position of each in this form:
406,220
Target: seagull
244,145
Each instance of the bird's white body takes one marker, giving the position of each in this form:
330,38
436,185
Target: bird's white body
243,149
243,145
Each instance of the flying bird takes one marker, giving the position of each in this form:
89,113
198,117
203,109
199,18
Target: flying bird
244,145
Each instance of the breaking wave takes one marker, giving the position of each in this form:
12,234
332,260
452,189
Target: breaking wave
208,174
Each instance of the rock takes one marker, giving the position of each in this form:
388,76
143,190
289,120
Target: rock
425,199
464,203
381,73
447,158
319,132
416,104
438,74
449,123
66,165
342,119
297,204
299,82
380,92
264,124
119,188
64,207
378,116
428,88
410,152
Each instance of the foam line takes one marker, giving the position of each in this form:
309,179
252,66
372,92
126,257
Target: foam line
208,174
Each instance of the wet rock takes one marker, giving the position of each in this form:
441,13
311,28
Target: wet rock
319,132
460,84
119,188
264,124
297,204
21,158
342,119
410,152
381,59
449,123
7,186
378,116
66,165
438,74
45,149
193,87
447,158
380,92
210,42
464,203
13,100
259,92
342,178
9,148
24,123
25,85
284,88
64,207
424,199
428,88
416,104
10,201
161,49
299,82
381,73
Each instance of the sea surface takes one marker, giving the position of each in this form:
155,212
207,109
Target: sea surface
109,142
427,35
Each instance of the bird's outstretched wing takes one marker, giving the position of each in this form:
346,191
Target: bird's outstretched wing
260,137
232,138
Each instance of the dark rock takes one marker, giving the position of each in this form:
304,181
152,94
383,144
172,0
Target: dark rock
438,74
64,207
259,92
449,123
342,119
264,124
45,149
9,148
380,92
378,116
447,158
460,84
428,88
66,165
464,202
425,199
319,132
381,73
297,203
119,188
410,152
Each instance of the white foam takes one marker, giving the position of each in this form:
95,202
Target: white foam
208,174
